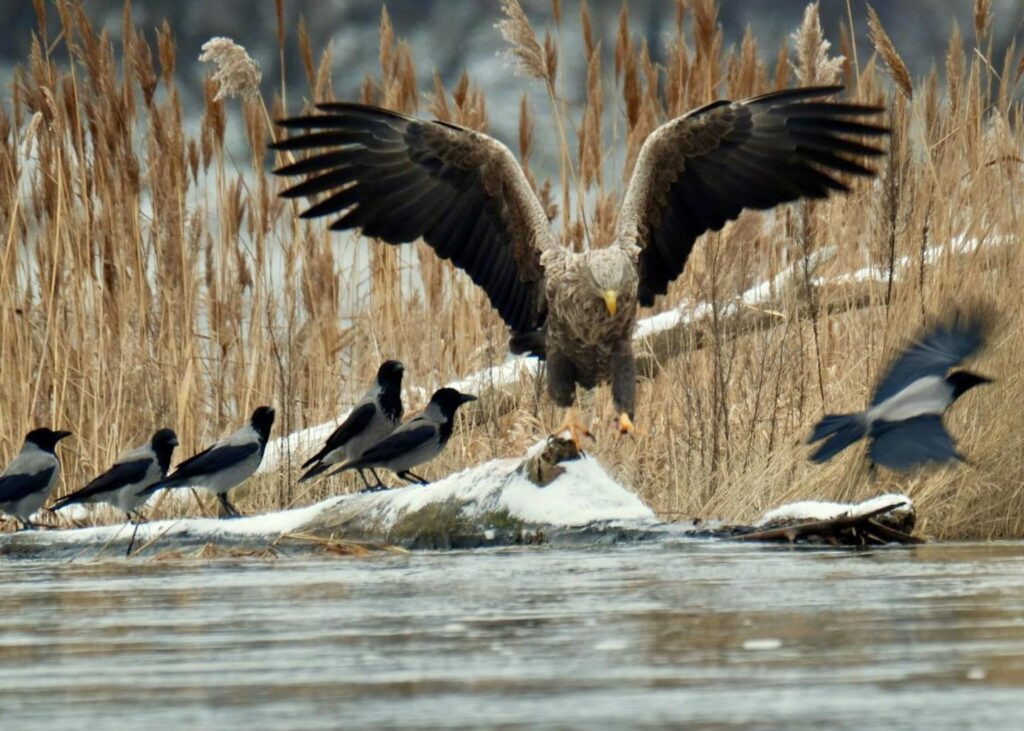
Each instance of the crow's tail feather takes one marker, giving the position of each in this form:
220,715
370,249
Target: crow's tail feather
842,430
162,484
314,471
314,459
63,503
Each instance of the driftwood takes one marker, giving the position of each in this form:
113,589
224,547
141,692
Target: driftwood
887,524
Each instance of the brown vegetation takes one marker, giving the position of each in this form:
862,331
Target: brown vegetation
148,278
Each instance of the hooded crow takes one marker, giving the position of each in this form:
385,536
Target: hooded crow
133,471
224,465
904,420
417,441
373,418
29,478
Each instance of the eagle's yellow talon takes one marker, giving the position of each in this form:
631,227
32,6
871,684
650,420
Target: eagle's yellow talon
625,424
575,429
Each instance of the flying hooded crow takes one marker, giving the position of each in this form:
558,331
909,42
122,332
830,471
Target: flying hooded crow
29,478
120,485
373,418
415,442
904,420
224,465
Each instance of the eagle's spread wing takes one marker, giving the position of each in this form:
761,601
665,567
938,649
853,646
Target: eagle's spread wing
700,170
399,179
938,350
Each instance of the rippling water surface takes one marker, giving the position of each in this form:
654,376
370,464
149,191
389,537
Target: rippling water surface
692,635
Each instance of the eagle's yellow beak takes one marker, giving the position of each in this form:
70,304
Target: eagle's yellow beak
610,301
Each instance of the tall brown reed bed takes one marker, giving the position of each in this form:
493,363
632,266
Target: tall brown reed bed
150,277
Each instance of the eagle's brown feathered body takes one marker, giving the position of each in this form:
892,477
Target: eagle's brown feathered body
400,179
584,343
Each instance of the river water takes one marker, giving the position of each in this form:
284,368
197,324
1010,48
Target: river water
665,635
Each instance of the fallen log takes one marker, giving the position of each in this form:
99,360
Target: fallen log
554,495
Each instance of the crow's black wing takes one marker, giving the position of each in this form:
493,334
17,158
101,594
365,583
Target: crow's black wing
397,444
18,487
118,476
354,425
213,459
937,350
904,445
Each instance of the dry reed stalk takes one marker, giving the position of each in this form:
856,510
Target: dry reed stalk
885,48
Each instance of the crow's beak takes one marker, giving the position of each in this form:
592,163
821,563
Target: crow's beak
466,398
610,301
61,435
173,442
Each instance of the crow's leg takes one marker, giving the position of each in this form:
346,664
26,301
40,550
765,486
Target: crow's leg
230,509
366,483
375,488
412,478
135,531
373,471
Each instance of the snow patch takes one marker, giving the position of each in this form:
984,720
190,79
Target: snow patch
268,524
583,494
808,510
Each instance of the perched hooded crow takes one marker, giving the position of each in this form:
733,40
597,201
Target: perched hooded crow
133,471
904,420
373,418
417,441
224,465
26,483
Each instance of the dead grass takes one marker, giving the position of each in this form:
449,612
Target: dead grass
149,278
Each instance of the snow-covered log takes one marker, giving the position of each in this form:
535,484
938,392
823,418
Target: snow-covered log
496,503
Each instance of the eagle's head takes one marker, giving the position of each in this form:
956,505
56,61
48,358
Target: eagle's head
612,277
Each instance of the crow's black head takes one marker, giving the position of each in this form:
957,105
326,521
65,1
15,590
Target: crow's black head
390,373
450,400
964,381
261,420
163,443
389,380
46,439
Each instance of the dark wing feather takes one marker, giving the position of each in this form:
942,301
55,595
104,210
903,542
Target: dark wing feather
701,170
398,443
18,487
212,459
904,445
400,179
354,424
939,349
121,474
